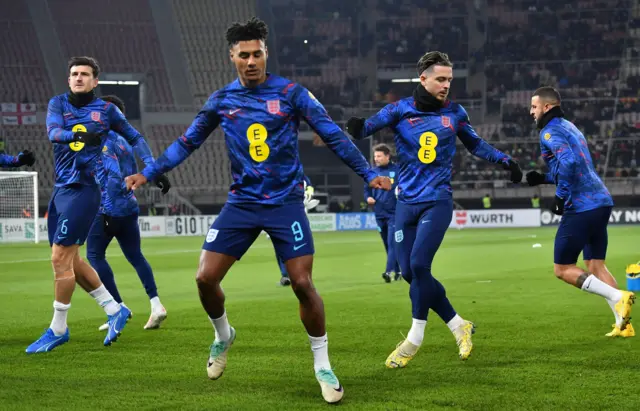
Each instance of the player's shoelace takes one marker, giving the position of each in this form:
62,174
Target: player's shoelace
217,348
327,376
464,339
46,335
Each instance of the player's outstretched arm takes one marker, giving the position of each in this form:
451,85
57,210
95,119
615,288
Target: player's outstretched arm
7,161
317,117
360,128
480,148
25,158
202,126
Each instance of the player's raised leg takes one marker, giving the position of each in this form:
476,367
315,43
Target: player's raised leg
576,233
600,270
128,237
291,235
313,318
594,254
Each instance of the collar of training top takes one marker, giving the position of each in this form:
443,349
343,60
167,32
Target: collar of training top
550,115
79,100
426,101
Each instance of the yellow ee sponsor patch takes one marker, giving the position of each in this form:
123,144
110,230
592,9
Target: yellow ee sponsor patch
258,148
77,145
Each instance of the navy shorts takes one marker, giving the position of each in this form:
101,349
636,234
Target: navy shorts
584,232
71,213
238,226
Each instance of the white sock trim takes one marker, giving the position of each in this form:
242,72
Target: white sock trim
320,349
416,333
455,322
155,303
221,327
596,286
59,321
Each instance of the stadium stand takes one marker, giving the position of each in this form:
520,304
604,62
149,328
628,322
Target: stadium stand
202,26
23,77
120,33
595,66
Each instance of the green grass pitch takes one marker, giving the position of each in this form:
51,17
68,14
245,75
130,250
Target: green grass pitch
539,345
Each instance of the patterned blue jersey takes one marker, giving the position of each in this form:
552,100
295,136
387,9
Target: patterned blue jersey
426,144
119,162
7,161
385,206
74,162
565,151
261,134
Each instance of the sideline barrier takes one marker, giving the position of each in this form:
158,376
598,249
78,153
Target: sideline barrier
22,230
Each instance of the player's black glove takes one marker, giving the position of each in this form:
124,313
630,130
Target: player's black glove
163,183
355,126
26,158
90,139
516,172
109,225
535,179
558,206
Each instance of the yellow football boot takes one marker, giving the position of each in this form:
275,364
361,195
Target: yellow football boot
401,356
627,332
463,339
623,307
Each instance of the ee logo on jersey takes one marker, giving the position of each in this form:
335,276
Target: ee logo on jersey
258,148
427,151
77,145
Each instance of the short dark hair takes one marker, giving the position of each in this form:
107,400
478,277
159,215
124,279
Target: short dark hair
85,61
115,100
253,29
383,148
433,58
548,93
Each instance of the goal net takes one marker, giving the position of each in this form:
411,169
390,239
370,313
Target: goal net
19,206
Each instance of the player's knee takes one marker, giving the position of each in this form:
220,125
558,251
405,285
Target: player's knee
206,278
420,268
62,258
302,285
134,258
560,270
